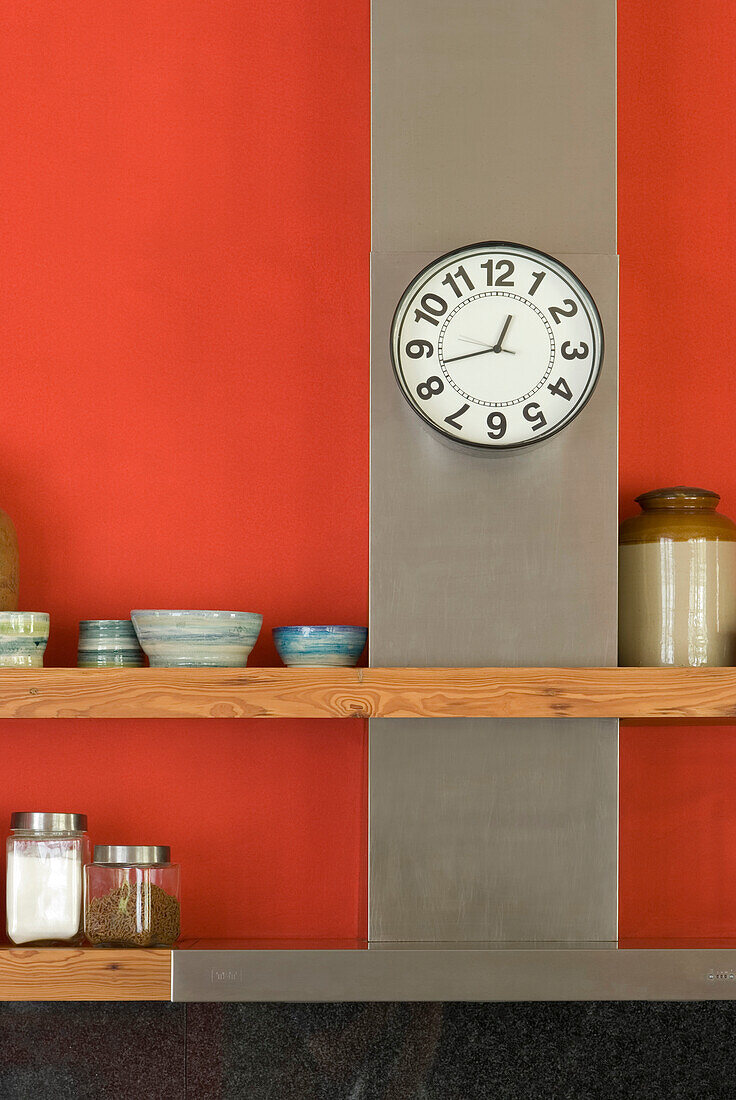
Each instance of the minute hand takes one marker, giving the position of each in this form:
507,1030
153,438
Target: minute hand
470,354
485,351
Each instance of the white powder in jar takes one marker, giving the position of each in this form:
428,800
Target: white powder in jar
44,892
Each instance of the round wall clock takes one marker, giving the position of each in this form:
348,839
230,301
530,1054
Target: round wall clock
497,345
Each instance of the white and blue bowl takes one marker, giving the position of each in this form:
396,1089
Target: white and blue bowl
197,639
108,643
23,638
326,646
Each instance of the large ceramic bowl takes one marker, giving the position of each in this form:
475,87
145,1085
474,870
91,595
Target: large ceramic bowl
23,638
328,646
197,639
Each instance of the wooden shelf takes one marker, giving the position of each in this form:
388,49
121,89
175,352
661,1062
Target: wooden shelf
627,693
84,974
321,970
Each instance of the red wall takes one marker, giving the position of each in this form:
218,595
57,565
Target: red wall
184,334
677,237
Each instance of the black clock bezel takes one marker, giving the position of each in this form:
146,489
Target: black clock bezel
493,448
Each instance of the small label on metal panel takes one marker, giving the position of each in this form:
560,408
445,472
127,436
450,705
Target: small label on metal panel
225,977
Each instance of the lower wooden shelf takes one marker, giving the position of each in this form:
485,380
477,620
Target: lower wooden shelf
84,974
321,970
665,694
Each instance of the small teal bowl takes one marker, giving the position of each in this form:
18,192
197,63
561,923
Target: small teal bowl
197,639
326,646
108,643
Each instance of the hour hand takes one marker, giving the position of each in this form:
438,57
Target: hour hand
504,330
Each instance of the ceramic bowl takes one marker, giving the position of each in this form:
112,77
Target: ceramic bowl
197,639
330,646
108,643
23,638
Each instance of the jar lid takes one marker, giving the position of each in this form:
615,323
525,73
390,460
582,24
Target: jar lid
679,496
127,854
35,822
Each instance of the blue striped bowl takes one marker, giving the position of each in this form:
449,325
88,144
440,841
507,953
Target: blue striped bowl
23,638
108,643
328,646
197,639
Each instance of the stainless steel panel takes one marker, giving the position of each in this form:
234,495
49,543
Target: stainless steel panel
498,829
494,119
493,830
445,973
501,559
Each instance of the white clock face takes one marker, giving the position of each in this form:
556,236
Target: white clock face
497,345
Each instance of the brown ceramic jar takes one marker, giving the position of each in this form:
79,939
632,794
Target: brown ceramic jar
8,565
677,581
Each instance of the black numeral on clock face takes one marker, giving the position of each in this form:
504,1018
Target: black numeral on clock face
557,312
538,276
497,424
418,349
500,274
455,417
561,389
451,281
533,413
431,388
432,307
574,353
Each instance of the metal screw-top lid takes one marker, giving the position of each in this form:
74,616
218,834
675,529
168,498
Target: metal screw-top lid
35,822
128,854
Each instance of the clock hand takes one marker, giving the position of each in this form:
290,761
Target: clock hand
504,330
483,351
480,343
486,348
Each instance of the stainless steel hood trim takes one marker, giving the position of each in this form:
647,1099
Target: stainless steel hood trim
456,972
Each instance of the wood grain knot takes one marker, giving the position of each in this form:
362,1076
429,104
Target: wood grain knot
354,708
225,710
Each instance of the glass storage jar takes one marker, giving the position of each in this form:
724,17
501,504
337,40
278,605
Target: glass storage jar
132,897
677,581
46,855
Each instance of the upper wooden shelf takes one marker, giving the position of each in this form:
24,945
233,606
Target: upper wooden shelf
629,693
